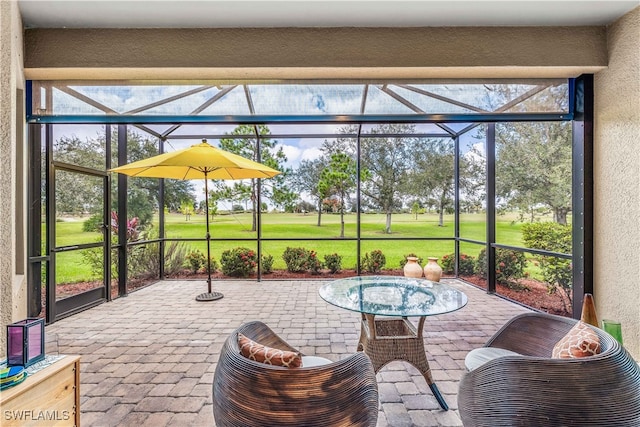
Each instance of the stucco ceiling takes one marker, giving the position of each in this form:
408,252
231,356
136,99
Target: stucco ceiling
325,13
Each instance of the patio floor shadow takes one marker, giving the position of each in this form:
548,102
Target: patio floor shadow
148,359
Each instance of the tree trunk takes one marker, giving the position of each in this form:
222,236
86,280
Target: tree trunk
341,216
560,215
387,229
319,212
441,214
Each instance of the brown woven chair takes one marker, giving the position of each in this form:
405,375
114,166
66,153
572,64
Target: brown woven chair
248,393
535,390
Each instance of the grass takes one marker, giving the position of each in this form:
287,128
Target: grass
71,266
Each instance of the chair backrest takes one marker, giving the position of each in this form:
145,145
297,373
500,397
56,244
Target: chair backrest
248,393
536,390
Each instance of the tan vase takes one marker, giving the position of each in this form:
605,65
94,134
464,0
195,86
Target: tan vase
412,268
432,271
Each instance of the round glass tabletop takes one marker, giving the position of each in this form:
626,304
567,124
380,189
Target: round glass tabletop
393,296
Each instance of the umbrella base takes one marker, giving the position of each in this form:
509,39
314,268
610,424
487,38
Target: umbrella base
209,296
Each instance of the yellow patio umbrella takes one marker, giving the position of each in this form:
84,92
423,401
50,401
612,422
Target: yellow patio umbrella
200,161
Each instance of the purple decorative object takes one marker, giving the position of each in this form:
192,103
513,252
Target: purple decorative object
25,342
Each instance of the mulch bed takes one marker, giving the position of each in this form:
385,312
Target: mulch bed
531,293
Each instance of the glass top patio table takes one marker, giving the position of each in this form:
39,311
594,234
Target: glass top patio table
394,337
393,296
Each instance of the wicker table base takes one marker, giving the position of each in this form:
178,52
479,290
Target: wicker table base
389,339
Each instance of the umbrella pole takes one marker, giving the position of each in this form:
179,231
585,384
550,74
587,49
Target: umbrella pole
209,296
206,204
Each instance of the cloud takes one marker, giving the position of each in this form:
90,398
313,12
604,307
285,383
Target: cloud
311,154
292,152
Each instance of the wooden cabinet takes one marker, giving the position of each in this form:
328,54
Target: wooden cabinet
49,397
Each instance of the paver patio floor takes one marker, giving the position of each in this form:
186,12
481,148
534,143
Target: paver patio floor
148,359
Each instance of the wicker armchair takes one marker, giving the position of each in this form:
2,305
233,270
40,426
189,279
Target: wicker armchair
248,393
535,390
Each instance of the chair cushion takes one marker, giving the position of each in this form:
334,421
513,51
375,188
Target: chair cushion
580,341
479,356
309,361
271,356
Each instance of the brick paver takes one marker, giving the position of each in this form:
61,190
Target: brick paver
149,359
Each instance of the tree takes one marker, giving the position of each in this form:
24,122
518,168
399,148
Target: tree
274,188
433,173
415,209
186,209
533,160
305,179
385,163
78,194
533,166
472,179
140,147
339,178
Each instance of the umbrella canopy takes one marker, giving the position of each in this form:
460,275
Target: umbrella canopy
200,161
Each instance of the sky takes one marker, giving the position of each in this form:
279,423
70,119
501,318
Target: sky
274,100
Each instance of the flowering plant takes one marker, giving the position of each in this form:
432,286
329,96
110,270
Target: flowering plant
238,262
374,261
267,264
466,264
333,262
197,260
510,265
403,261
297,259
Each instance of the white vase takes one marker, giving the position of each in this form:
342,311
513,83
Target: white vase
433,271
412,268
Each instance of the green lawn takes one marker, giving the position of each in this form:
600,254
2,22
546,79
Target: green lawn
71,265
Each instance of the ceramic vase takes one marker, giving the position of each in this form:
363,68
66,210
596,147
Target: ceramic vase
412,268
433,271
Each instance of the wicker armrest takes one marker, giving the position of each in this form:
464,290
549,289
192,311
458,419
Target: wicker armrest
536,390
532,334
247,393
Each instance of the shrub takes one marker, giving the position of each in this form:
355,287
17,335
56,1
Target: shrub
510,265
238,262
297,259
403,261
267,264
197,260
142,260
314,264
448,263
214,265
548,236
333,262
93,223
374,261
466,264
175,254
551,236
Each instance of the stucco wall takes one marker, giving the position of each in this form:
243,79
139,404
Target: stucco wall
13,294
303,53
617,181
